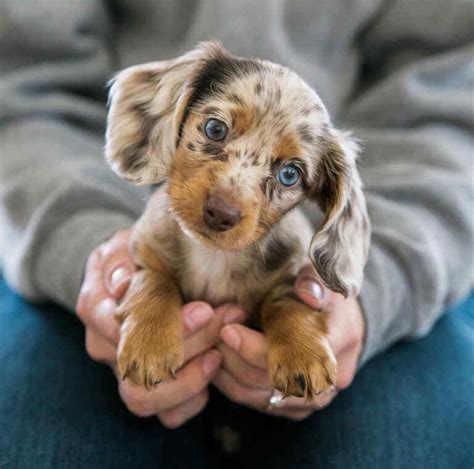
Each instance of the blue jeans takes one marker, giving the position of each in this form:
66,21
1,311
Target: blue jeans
411,407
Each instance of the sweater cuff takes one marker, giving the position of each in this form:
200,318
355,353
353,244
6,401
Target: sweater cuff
60,266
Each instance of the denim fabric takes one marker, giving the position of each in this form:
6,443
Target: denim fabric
411,407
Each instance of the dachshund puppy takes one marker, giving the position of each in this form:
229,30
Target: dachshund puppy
238,144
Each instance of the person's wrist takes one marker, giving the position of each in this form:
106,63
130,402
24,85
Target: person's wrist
59,268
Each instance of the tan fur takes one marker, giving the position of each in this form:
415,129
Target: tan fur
243,118
155,131
150,322
287,148
306,369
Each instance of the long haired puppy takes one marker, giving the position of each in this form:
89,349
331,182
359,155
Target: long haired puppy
238,144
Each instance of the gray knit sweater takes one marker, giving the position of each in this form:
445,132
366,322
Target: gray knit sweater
399,72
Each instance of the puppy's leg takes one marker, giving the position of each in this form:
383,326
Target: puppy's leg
151,345
300,359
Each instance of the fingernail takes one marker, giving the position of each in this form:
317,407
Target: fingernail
311,287
198,316
211,362
120,275
233,314
231,337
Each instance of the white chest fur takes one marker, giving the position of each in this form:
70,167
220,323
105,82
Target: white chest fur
218,276
210,274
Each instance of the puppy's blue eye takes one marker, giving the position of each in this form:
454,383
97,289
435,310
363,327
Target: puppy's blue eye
289,175
215,130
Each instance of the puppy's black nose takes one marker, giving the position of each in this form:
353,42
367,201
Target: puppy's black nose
219,215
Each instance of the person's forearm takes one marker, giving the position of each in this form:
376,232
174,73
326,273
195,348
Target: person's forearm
413,121
58,197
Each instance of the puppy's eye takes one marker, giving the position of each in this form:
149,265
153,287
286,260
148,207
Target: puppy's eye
289,175
215,130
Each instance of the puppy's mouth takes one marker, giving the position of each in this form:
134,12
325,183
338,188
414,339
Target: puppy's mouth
228,240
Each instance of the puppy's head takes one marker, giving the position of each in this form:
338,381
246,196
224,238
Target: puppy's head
241,143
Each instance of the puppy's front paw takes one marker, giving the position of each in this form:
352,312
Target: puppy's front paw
302,371
147,356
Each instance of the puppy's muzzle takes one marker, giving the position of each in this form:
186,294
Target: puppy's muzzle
220,215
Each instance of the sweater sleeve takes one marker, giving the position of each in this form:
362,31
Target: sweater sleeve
58,199
414,114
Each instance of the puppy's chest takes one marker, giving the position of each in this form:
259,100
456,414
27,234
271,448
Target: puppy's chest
245,277
219,277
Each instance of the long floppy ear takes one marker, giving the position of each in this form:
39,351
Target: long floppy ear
146,105
339,248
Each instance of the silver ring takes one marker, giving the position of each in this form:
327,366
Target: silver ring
276,400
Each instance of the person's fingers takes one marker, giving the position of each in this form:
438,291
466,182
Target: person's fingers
242,371
117,270
90,285
347,365
297,408
312,291
104,322
239,393
295,415
208,336
345,319
293,403
120,241
346,325
99,349
177,416
247,343
117,263
118,277
94,262
259,398
195,315
323,400
309,287
190,380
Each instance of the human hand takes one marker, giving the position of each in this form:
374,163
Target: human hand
108,272
244,376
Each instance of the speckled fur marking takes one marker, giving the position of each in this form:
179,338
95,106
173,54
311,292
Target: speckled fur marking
155,131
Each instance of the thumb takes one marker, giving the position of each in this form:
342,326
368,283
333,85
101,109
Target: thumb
312,291
118,279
